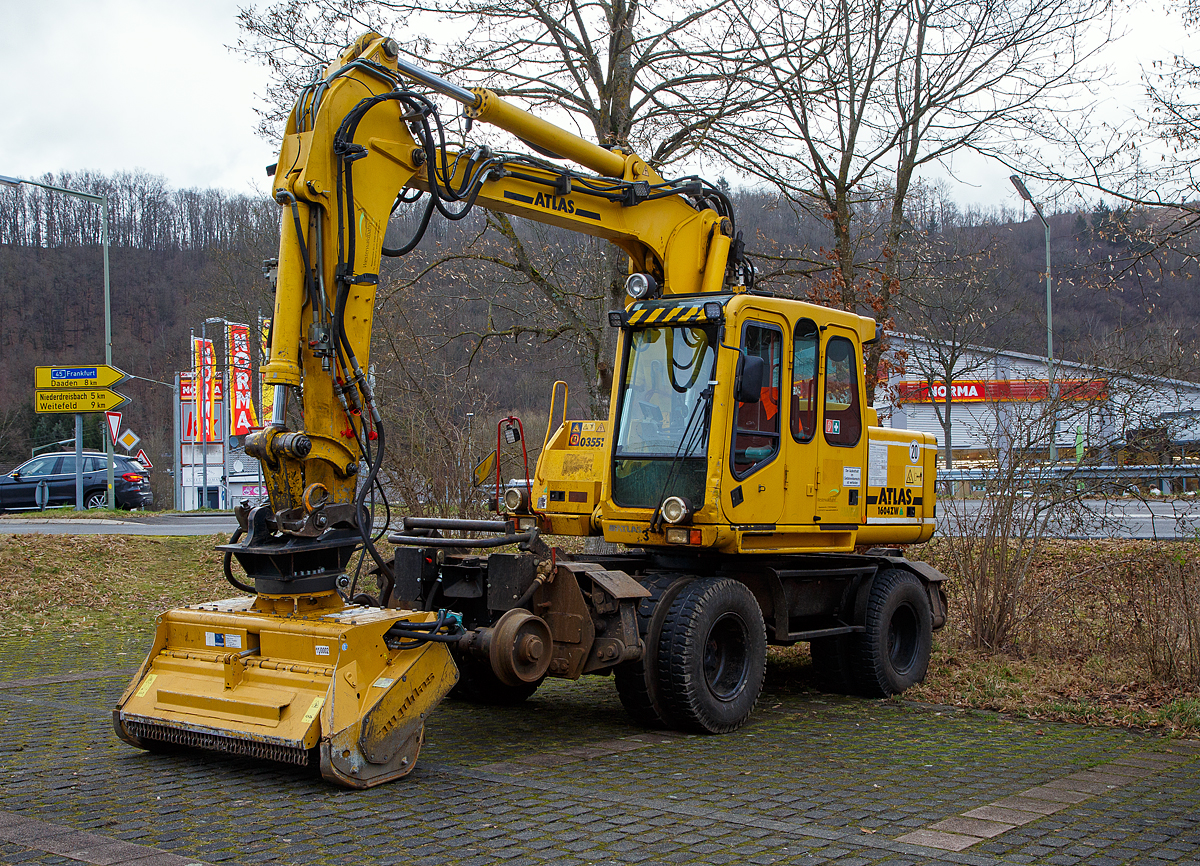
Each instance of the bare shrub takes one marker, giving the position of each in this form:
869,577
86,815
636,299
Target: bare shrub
1164,603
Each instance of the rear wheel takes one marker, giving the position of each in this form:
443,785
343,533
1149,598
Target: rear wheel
712,655
894,650
96,499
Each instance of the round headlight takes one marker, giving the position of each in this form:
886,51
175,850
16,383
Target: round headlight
640,286
516,499
676,509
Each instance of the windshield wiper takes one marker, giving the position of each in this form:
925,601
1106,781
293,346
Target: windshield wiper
698,434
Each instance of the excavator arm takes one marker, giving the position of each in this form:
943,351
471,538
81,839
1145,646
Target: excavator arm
355,140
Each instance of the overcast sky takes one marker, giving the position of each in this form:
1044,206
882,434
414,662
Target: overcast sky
115,85
112,85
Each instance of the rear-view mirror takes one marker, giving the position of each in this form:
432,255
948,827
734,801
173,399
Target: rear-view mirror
751,370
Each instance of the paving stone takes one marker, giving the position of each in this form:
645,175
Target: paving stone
1103,778
1029,804
939,839
1079,785
94,849
1055,795
972,827
1015,817
517,785
1132,770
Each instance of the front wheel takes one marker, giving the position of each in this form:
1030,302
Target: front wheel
894,650
712,655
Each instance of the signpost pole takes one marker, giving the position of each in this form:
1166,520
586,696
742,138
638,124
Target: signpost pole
112,490
204,406
78,462
177,446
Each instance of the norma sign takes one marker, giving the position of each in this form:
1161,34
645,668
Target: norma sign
1001,390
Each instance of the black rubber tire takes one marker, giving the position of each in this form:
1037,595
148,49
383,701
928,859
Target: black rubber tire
833,660
478,684
894,650
638,681
95,499
712,655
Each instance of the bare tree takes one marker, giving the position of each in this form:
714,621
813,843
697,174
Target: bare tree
866,93
623,73
959,288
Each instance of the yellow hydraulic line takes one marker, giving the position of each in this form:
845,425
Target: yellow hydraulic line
714,265
284,366
492,109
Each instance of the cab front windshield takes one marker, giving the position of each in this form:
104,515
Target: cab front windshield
663,414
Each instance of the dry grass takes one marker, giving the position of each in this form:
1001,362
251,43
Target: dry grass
1106,632
1085,650
111,582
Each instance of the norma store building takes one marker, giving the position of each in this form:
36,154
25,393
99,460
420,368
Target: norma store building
1000,397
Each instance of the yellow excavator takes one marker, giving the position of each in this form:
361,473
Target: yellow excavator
755,497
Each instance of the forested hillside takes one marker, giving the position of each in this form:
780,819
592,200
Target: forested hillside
462,327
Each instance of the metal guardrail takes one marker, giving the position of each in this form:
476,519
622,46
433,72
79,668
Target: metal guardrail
1169,477
1068,470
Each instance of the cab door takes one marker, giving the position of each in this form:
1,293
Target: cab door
755,459
801,442
839,473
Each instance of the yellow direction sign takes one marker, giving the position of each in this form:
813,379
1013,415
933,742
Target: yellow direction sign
77,400
84,376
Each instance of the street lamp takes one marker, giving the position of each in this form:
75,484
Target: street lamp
1024,193
102,200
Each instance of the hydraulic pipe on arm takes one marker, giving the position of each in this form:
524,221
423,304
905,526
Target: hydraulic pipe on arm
335,196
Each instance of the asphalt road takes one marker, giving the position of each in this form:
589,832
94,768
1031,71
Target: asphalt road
172,524
1089,518
1098,518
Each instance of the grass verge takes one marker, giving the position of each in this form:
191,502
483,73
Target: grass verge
118,584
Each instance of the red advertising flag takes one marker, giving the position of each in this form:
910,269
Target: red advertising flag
242,418
204,362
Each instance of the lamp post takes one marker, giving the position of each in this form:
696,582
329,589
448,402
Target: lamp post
102,200
1024,193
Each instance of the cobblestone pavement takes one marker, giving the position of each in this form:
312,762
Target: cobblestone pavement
567,779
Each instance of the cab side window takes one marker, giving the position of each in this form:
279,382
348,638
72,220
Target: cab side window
806,343
843,416
756,425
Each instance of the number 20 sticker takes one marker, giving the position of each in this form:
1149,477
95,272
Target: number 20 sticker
914,452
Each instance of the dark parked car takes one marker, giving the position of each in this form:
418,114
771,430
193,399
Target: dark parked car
131,481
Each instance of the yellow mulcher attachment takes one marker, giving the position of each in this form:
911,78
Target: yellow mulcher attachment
305,680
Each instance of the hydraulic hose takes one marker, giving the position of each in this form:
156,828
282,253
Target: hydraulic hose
237,533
